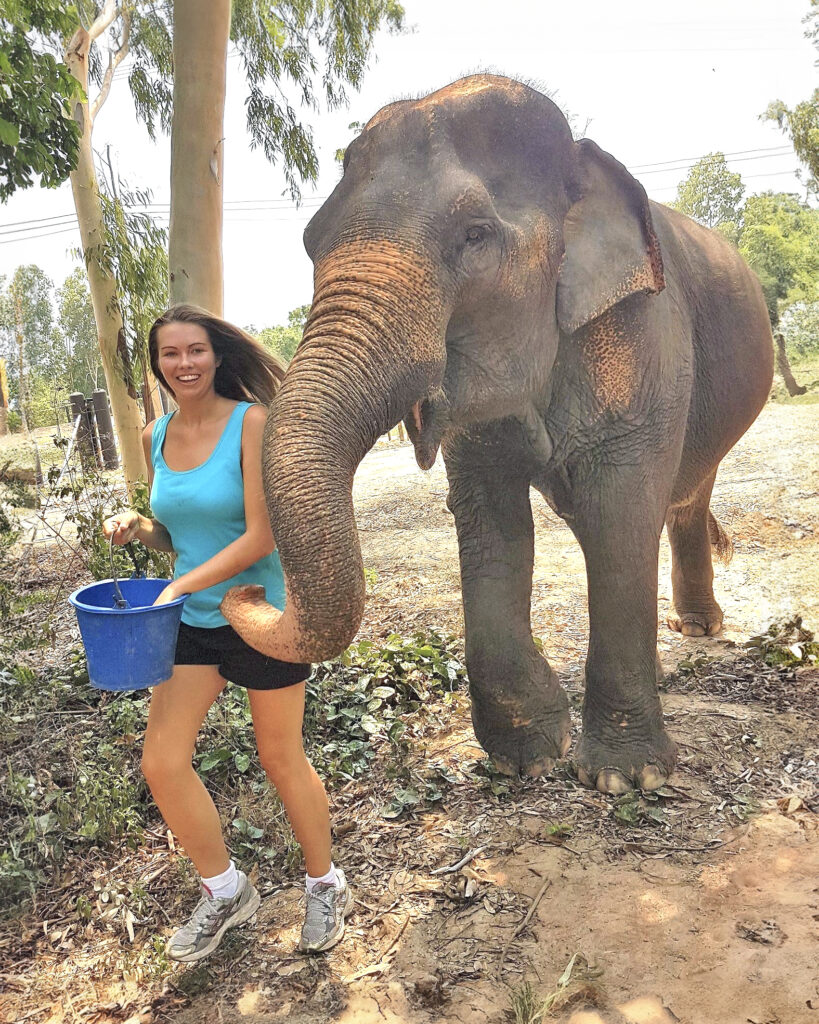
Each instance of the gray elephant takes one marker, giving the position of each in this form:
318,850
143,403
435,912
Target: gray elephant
516,298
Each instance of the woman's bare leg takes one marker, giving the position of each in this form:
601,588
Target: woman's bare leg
277,722
177,711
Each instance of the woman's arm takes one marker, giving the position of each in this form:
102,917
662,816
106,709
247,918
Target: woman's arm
257,540
130,525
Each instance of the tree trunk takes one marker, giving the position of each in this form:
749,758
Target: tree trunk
110,332
4,399
21,379
784,368
200,38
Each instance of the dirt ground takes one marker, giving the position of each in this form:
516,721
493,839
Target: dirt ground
699,906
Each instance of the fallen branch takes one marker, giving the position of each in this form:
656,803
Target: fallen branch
464,860
523,924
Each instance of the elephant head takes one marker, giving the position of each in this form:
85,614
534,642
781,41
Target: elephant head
467,232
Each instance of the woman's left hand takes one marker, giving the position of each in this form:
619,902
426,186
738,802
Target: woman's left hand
170,593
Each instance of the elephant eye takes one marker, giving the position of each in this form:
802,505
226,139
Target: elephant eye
474,234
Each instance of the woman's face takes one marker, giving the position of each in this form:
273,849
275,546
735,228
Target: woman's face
186,359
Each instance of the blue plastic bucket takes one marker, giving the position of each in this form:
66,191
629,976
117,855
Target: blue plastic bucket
127,648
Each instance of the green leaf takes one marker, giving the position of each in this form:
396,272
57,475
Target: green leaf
9,133
214,758
370,725
242,762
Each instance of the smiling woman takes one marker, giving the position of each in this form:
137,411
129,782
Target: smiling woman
206,494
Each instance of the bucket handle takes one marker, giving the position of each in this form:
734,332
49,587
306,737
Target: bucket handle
119,600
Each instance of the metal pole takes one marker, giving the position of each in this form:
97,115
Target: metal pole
106,429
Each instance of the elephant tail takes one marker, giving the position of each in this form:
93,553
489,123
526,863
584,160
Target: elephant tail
720,541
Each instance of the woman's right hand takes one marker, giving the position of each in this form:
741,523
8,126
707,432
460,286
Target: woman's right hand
123,527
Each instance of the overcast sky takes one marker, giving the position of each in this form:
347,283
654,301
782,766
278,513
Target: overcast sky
660,85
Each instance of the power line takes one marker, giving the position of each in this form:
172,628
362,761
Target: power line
734,160
694,159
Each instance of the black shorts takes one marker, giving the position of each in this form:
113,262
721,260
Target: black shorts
236,660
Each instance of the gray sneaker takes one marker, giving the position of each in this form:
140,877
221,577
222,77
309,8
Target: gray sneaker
210,920
327,906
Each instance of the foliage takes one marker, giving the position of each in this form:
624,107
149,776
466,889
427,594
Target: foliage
283,341
710,192
780,240
36,135
135,252
801,122
75,335
287,45
800,326
91,797
26,317
8,535
776,232
363,700
788,645
89,792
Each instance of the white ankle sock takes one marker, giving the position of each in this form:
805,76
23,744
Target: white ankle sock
329,879
224,886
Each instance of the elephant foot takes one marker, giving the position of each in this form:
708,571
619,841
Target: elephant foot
634,761
696,622
523,735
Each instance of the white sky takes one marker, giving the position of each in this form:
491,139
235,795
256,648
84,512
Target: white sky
656,82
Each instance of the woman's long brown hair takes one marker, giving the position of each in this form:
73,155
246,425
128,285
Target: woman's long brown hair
247,372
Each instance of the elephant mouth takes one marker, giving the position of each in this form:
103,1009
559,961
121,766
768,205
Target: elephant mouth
426,423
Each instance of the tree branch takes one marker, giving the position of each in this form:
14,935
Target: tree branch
113,63
103,19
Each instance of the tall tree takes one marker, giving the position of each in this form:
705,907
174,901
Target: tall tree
36,138
801,122
75,334
200,35
25,318
117,20
711,193
284,46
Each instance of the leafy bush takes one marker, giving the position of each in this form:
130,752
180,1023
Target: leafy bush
72,781
365,697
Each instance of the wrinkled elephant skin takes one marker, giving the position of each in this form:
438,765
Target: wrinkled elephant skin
515,298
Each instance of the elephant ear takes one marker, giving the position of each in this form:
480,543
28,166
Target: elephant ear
611,250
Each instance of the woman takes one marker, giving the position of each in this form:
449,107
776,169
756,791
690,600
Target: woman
206,491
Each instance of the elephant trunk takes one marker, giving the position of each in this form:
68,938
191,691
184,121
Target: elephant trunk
372,349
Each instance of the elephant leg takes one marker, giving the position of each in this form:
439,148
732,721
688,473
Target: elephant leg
624,742
695,611
519,711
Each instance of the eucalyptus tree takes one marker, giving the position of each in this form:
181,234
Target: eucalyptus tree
292,53
26,316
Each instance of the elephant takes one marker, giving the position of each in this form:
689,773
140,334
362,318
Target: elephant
516,299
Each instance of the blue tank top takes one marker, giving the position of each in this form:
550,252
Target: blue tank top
203,510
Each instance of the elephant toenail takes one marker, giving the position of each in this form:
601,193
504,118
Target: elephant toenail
504,767
538,768
584,778
651,778
612,781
